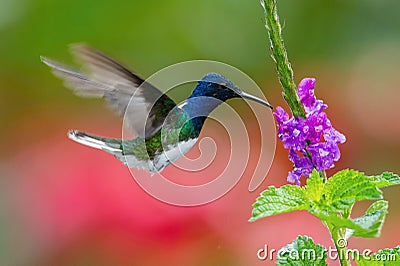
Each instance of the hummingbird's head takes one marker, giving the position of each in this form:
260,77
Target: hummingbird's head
217,86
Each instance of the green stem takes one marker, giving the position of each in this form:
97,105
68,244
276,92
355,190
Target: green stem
278,51
322,174
347,212
285,74
338,237
283,66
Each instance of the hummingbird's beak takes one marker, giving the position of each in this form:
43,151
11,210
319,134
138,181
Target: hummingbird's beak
254,98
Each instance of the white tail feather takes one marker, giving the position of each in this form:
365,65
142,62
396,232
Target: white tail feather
90,141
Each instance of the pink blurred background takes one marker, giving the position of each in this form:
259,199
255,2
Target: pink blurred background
66,204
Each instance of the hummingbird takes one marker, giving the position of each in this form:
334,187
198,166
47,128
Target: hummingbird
165,131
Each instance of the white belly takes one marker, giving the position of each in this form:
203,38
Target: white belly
171,154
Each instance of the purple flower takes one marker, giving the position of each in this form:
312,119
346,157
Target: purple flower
312,142
332,135
318,107
280,115
300,161
294,177
316,125
291,131
306,92
324,154
302,166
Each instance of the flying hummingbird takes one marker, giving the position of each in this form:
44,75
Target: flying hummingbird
165,131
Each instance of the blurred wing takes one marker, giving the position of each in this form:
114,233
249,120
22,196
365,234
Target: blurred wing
118,85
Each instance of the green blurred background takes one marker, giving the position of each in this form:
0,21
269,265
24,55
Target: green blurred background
63,204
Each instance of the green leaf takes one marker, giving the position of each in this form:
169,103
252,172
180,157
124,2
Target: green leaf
368,225
346,187
303,251
372,220
327,200
314,187
279,200
385,179
386,257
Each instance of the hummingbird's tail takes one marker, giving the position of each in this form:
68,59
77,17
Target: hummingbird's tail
114,147
109,145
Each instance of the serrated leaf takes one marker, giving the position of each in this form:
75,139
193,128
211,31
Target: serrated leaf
279,200
314,187
340,222
302,251
386,257
385,179
372,220
368,225
346,187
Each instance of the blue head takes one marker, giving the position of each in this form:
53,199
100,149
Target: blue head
212,90
216,86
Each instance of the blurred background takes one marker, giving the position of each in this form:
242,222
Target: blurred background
66,204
